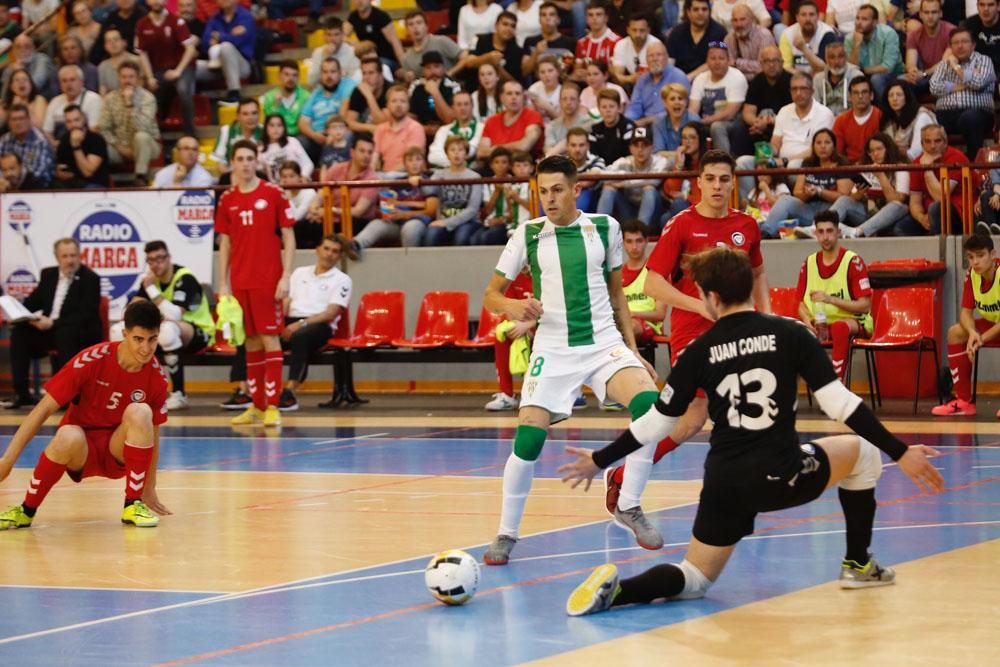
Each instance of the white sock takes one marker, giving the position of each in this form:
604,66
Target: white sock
517,477
638,466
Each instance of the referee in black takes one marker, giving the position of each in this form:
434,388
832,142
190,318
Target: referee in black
749,364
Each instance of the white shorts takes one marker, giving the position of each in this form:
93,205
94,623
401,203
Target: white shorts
554,377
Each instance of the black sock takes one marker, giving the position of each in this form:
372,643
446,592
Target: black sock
662,581
859,515
30,511
176,370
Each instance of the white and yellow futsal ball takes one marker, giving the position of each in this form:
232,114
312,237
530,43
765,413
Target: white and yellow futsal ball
452,577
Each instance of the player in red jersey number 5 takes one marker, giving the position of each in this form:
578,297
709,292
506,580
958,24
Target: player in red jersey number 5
117,395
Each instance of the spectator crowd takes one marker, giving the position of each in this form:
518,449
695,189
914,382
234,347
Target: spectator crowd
620,86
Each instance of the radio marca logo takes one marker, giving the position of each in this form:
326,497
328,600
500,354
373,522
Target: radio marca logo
111,245
194,213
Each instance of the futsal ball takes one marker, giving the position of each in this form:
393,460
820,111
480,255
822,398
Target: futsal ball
452,577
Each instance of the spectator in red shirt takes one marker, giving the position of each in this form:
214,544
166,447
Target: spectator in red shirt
167,51
516,128
599,43
925,187
861,120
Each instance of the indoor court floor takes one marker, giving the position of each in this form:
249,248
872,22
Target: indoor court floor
307,547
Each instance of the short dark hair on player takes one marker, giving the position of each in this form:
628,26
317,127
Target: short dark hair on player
977,242
725,271
153,246
142,313
716,156
635,226
558,164
827,216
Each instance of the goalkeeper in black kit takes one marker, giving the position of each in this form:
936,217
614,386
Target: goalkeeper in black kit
749,364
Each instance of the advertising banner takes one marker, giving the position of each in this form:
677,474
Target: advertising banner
112,228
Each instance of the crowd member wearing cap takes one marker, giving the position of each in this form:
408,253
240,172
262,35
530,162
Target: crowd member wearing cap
431,95
638,198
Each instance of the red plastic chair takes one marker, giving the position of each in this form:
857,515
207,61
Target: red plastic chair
904,321
485,333
443,320
381,318
785,302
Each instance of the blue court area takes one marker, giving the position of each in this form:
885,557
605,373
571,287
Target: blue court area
382,614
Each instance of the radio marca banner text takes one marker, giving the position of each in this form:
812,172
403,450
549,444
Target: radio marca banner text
112,228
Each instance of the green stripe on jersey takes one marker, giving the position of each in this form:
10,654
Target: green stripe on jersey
576,288
601,222
531,232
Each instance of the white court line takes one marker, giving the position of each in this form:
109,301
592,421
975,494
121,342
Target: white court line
373,436
981,467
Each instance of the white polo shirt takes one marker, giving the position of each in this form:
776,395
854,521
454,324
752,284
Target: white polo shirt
797,133
310,294
626,56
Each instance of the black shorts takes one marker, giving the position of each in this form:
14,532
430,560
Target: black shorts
198,342
726,511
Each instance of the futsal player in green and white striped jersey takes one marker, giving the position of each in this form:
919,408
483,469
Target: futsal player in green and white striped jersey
584,336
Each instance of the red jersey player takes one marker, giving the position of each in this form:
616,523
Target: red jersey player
254,222
708,224
117,396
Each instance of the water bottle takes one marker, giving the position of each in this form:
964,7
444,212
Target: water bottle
822,328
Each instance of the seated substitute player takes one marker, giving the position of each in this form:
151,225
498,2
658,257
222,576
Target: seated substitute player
116,394
835,281
981,294
647,313
584,334
707,224
254,222
187,321
749,364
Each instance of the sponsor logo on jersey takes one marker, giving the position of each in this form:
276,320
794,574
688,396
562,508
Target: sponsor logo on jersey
138,396
20,283
19,216
260,204
619,352
194,213
111,245
667,393
738,238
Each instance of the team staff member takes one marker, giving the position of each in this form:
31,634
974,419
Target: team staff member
834,281
69,296
116,394
254,222
965,337
187,321
749,365
318,296
647,313
707,224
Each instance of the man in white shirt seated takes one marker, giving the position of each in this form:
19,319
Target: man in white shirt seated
317,297
717,95
184,171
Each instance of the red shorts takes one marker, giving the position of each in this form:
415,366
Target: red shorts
100,462
262,315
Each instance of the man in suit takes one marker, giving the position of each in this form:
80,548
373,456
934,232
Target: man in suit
69,297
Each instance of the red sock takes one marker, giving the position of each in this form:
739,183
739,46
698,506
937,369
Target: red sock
46,474
272,376
840,335
664,447
255,377
961,371
501,352
137,461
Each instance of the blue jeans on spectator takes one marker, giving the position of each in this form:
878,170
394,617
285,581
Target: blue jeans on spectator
587,201
671,15
855,213
910,227
578,15
279,9
495,235
975,125
461,235
673,208
614,202
881,81
790,207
